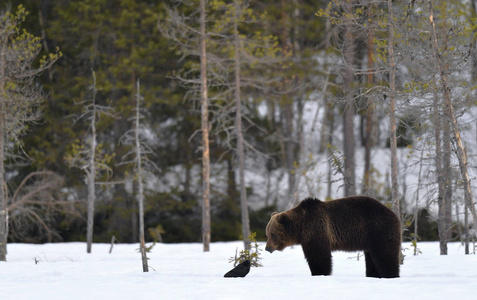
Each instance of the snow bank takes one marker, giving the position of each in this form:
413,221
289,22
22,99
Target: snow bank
183,271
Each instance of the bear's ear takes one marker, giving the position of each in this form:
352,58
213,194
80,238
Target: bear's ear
283,219
274,213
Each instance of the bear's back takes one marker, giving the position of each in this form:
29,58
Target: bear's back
357,222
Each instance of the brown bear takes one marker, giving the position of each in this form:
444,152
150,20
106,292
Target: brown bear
347,224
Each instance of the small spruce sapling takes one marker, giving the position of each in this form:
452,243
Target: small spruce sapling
336,158
147,248
253,255
156,233
414,240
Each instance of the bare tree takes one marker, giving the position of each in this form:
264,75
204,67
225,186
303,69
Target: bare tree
415,236
229,74
19,96
85,156
392,113
349,102
448,180
343,14
33,204
443,171
143,166
193,42
435,58
139,174
91,172
239,131
450,116
439,170
369,127
243,72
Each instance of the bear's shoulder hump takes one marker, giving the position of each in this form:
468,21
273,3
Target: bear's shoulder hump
309,203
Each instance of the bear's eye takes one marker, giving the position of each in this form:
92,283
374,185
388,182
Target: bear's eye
273,236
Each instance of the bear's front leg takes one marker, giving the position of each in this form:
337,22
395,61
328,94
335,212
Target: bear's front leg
318,257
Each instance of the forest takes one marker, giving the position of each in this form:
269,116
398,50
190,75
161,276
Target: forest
211,115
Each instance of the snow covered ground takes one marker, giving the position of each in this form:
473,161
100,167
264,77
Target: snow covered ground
183,271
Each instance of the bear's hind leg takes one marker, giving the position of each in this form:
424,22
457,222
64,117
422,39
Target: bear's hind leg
371,270
386,263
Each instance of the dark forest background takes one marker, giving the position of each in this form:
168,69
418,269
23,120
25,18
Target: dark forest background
124,41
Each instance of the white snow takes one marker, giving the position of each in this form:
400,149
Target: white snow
183,271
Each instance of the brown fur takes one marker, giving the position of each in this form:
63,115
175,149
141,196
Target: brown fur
348,224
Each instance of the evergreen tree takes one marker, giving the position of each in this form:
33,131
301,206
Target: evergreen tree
19,96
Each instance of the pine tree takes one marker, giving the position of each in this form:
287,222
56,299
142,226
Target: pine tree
204,105
121,42
19,96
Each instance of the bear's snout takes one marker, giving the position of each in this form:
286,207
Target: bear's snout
269,249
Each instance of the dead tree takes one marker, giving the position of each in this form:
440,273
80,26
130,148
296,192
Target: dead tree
191,42
349,101
143,167
33,204
449,113
392,113
85,156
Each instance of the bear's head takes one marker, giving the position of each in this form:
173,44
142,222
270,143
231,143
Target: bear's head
279,232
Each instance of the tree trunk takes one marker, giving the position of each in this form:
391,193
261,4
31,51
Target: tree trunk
473,52
232,192
447,182
288,112
139,174
392,116
466,228
369,142
451,118
205,134
462,158
349,108
92,174
440,178
239,132
416,206
18,50
330,120
289,142
3,198
396,205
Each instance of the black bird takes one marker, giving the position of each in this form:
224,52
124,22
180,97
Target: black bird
241,270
